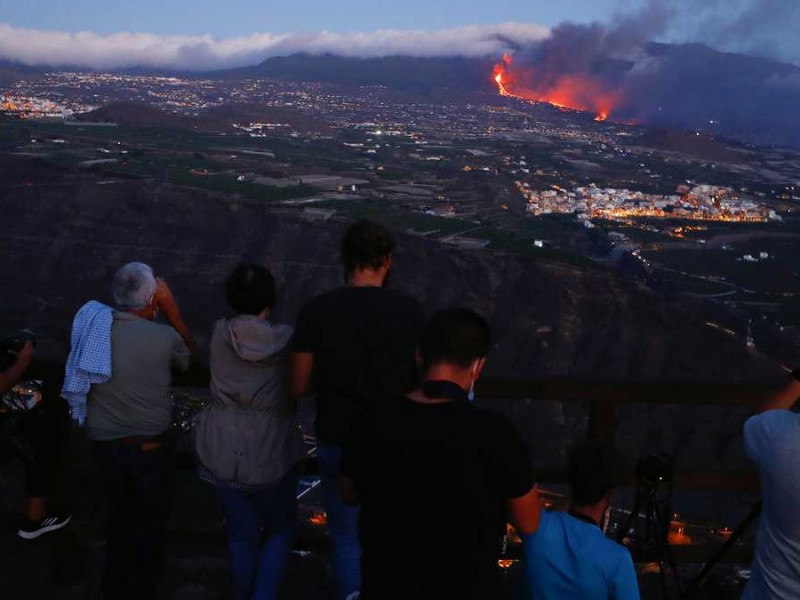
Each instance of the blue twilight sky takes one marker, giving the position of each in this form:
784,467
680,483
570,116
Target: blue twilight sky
212,34
234,18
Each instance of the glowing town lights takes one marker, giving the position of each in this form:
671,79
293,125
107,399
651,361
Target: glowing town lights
319,519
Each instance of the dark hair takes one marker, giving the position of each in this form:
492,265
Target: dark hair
250,289
591,471
366,245
454,335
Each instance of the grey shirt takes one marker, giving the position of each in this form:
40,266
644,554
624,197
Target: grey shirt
772,441
136,400
248,435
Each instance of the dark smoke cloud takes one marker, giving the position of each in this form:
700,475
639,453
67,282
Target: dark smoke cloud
682,84
766,28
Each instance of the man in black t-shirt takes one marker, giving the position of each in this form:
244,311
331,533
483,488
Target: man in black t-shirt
352,345
437,479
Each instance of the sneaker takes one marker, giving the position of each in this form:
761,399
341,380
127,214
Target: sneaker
33,529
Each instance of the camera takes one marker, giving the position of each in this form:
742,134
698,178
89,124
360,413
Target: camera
12,344
654,469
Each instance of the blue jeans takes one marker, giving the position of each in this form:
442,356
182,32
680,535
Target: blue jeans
261,528
342,523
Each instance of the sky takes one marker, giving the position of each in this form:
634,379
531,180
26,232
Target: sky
236,18
215,34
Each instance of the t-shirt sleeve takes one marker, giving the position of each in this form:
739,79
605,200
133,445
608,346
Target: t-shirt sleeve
304,337
513,472
179,358
763,431
625,586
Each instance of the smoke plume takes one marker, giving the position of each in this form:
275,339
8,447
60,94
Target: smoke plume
617,70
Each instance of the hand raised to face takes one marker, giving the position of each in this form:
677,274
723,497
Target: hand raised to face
165,301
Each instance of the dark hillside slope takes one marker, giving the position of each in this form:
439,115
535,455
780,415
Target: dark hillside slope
62,238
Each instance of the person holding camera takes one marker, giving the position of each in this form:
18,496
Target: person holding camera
772,441
36,430
14,373
128,418
569,556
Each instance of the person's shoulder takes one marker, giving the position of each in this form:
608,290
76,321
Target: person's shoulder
388,409
613,551
548,520
376,423
336,293
401,298
398,295
492,421
772,421
166,332
324,301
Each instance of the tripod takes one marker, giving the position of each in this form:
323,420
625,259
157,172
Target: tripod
653,506
702,577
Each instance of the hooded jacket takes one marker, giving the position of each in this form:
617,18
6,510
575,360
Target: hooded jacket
248,435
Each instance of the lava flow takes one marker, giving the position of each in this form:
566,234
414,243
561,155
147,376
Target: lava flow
499,72
575,91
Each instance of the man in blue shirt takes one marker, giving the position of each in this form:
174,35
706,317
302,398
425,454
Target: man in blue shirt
569,556
772,441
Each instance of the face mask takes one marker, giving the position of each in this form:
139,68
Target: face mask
471,393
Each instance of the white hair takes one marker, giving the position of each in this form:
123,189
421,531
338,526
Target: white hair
133,286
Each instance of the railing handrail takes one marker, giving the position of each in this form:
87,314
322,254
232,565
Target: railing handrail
604,397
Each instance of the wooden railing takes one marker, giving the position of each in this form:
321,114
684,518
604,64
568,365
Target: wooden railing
605,397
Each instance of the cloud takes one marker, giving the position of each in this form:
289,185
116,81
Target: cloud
199,53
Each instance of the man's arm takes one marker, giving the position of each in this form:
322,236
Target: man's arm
782,399
14,373
525,512
301,369
168,305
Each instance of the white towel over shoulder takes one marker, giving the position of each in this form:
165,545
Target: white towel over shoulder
89,358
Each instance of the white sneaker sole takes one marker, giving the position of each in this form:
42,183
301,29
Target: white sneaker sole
32,535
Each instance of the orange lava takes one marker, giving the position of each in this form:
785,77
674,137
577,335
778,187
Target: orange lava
573,91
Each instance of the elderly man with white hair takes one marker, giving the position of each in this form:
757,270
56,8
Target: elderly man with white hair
128,416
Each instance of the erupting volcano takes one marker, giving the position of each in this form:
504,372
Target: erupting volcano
573,91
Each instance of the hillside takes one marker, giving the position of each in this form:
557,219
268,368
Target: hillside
68,234
397,72
63,237
13,71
